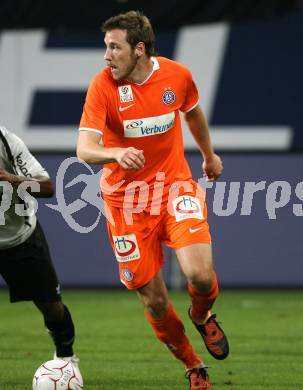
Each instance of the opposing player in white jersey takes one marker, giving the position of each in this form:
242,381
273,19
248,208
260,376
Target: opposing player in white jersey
25,262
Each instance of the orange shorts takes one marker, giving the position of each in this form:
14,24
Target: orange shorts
137,246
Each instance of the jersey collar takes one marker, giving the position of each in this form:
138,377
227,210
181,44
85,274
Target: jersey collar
156,66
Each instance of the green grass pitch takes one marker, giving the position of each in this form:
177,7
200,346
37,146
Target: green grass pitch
118,350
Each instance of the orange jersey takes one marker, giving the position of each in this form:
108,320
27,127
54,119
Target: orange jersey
146,117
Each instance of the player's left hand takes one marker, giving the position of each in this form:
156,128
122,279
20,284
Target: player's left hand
212,167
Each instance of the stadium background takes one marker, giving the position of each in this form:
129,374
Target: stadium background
247,59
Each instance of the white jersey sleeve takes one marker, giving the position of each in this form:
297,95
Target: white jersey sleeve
25,163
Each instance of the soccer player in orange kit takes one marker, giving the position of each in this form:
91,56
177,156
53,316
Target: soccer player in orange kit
131,122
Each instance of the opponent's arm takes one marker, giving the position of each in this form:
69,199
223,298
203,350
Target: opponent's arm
90,150
197,123
26,168
46,186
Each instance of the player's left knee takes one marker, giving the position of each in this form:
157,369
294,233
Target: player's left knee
202,281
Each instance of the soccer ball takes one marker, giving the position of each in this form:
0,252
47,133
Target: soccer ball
57,375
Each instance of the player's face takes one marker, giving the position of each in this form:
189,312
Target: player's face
119,55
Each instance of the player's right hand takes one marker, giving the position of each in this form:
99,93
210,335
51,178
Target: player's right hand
130,158
6,176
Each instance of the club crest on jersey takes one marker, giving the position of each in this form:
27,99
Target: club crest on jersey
168,97
126,248
126,93
187,207
127,274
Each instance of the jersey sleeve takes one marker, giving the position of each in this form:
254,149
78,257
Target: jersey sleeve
25,163
191,94
95,107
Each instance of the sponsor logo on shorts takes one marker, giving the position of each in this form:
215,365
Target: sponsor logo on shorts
126,248
127,274
126,93
187,207
143,127
168,97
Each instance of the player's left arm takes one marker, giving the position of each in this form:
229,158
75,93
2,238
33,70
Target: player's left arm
197,123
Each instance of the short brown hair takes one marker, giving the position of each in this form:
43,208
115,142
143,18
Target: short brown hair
138,28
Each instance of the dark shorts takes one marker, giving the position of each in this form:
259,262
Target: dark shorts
28,270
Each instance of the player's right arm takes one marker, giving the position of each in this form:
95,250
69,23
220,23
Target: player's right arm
46,189
91,150
92,125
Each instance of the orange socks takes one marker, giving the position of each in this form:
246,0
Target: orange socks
202,302
170,331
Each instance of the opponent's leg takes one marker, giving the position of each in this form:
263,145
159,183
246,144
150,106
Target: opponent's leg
60,326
